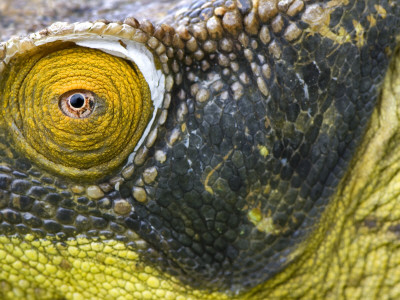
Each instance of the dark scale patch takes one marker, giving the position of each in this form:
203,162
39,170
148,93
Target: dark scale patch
117,228
23,164
65,216
34,172
51,226
5,181
311,73
122,238
41,210
5,169
60,184
81,208
37,192
347,22
109,217
68,203
22,203
82,223
98,222
31,220
82,200
48,180
4,198
69,231
290,55
11,216
6,229
40,233
336,17
22,229
106,234
19,174
53,199
92,204
20,186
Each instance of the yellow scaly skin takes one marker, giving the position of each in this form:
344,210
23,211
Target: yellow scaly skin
352,254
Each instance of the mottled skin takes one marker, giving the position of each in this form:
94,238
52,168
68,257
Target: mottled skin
252,184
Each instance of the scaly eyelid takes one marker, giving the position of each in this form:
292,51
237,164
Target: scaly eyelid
122,41
132,51
143,58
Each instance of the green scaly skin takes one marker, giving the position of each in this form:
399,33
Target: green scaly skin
273,172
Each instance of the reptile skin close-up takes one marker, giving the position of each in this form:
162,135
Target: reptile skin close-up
216,149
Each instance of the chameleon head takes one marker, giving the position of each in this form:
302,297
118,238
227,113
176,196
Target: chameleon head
186,158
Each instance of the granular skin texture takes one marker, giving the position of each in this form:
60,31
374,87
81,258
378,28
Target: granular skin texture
270,171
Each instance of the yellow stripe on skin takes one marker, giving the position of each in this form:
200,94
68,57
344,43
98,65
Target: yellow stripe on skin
83,269
207,186
77,148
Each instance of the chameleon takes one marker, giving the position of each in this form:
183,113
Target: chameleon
232,150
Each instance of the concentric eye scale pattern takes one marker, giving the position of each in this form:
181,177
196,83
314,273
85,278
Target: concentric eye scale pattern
78,104
253,112
85,138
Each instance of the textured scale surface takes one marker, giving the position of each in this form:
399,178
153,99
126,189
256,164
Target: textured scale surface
245,184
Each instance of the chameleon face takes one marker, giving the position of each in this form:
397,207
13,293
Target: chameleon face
200,158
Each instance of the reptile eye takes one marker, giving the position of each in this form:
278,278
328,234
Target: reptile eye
77,104
80,109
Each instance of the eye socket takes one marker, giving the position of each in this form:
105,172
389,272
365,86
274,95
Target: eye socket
76,111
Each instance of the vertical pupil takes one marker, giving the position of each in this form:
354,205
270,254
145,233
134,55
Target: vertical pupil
77,100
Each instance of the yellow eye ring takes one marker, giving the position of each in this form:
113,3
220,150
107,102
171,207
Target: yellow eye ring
76,111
